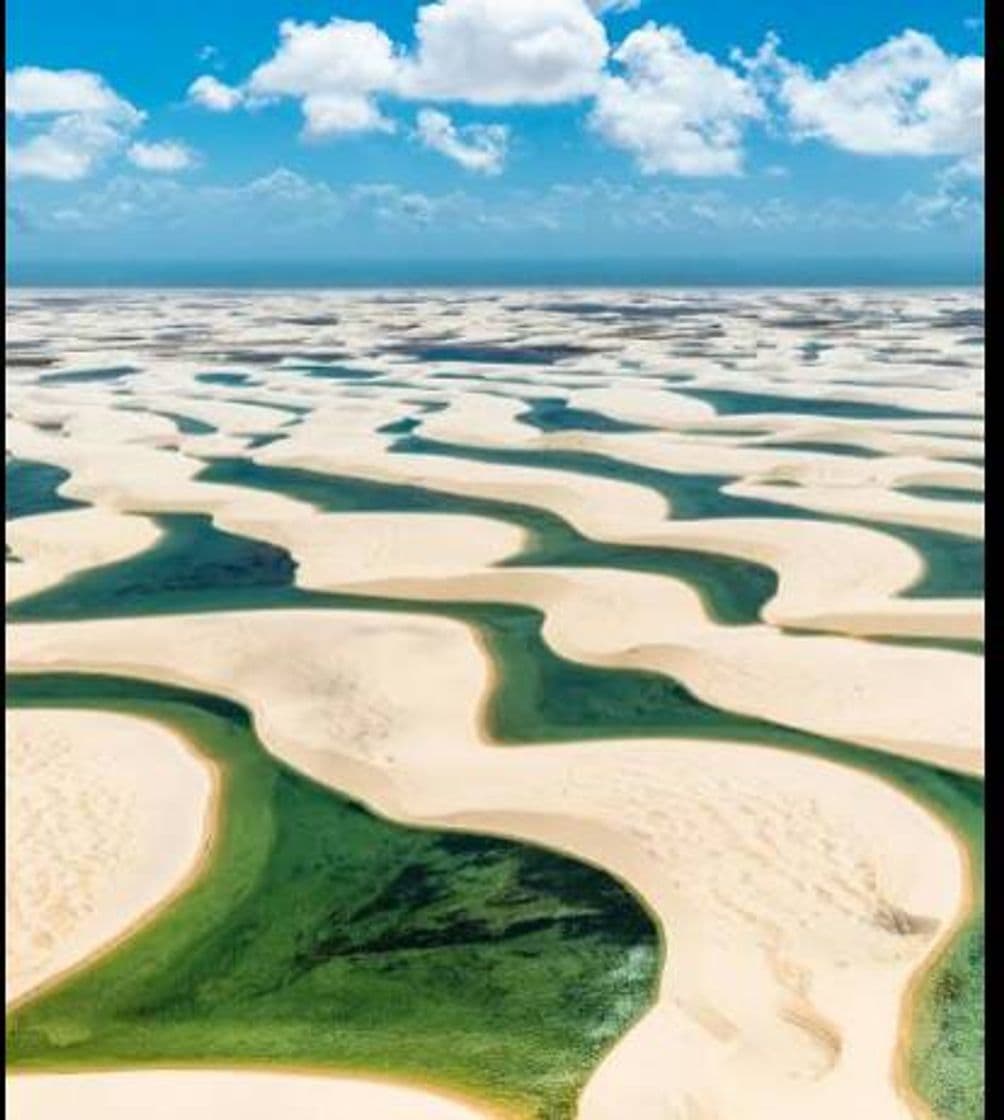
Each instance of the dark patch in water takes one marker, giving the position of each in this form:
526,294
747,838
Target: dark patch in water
552,414
495,355
400,427
223,378
31,487
73,376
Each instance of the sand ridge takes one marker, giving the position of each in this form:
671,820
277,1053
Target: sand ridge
799,899
868,693
107,816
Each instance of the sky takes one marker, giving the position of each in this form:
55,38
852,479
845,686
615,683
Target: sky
342,133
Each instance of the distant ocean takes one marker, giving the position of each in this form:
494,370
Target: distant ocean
497,273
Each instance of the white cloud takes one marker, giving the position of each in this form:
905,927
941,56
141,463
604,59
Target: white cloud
905,97
341,56
334,69
212,94
338,114
163,155
477,51
284,205
74,120
675,109
477,147
69,122
67,150
518,52
34,91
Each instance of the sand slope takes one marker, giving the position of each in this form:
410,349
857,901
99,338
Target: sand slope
106,815
798,896
211,1094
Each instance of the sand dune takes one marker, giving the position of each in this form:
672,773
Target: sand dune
106,816
798,898
926,703
824,568
210,1094
50,548
778,891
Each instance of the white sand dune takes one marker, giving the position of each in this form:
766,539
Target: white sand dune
106,816
165,1094
51,547
922,702
798,896
826,570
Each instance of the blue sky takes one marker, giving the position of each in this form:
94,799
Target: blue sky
538,129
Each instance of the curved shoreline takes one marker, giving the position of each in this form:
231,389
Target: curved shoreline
191,875
371,787
873,590
427,1098
807,989
478,821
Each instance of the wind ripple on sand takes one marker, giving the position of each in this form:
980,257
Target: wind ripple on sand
106,815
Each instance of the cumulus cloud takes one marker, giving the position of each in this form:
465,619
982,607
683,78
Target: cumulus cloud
34,91
74,121
675,109
477,147
343,55
905,97
518,52
68,149
163,155
338,114
482,52
214,95
334,69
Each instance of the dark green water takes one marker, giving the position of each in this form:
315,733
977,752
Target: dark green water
943,493
850,450
733,590
322,935
80,376
954,564
401,427
263,439
542,697
31,487
553,414
224,378
734,402
494,355
187,425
